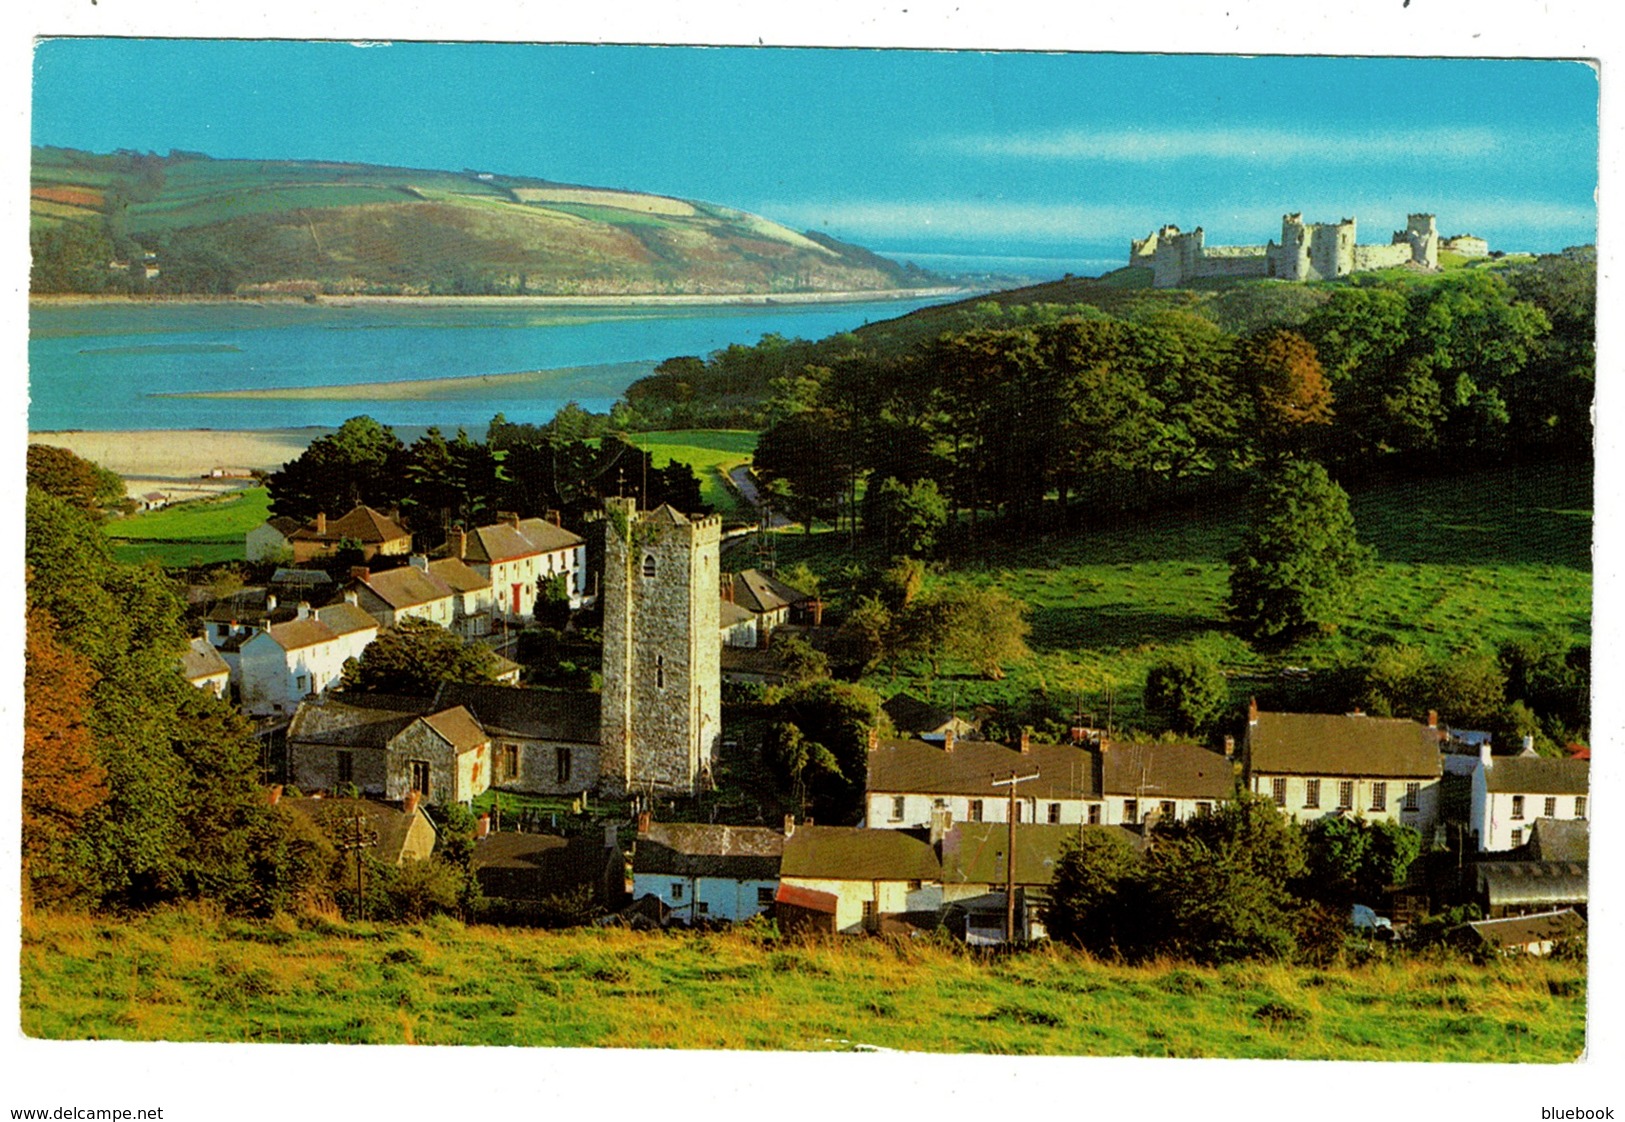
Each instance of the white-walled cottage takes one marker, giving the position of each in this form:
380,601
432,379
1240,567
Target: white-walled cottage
1511,792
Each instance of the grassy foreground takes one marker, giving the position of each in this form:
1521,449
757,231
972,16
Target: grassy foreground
185,975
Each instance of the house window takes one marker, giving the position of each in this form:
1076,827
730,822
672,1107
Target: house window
299,683
676,890
1579,806
1131,811
346,767
1345,794
1167,808
1517,808
1054,813
897,808
703,908
1550,810
510,761
1379,796
1413,796
1094,814
976,810
648,565
1204,809
561,765
1517,837
420,776
1018,809
764,897
1278,791
1311,794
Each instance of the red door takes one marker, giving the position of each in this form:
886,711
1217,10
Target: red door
516,589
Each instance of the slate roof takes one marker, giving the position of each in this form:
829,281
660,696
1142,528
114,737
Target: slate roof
202,661
363,524
298,634
903,767
283,525
388,820
973,852
548,536
1560,839
1525,884
512,865
1520,931
301,578
1328,744
501,542
757,592
687,849
405,587
909,714
457,576
458,727
360,720
850,853
667,513
247,605
1166,771
1538,775
533,714
345,618
730,615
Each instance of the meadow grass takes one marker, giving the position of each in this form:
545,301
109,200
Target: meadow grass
201,532
711,452
190,975
1463,563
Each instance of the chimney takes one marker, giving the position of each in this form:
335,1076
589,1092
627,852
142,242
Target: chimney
948,740
1078,732
728,587
818,613
409,805
302,610
321,522
1252,710
419,561
459,543
360,573
274,795
789,825
643,823
1026,740
556,517
874,739
1358,712
1229,747
1528,744
350,597
1484,758
483,828
1433,718
270,603
510,518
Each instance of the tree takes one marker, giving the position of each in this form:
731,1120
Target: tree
984,626
1299,562
1087,893
1187,692
1467,689
1289,389
906,517
1349,860
362,462
832,717
414,657
79,482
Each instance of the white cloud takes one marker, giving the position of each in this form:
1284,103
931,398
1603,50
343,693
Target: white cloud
968,218
1261,145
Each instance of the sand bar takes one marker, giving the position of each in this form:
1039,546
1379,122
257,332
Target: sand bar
655,300
184,455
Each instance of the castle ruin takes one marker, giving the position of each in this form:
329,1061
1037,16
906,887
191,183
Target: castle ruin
1307,251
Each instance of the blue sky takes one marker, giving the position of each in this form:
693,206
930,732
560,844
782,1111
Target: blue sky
925,152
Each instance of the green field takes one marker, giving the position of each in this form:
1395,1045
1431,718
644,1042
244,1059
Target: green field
200,532
184,975
1464,563
711,452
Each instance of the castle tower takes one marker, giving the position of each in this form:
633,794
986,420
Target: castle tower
1422,232
662,697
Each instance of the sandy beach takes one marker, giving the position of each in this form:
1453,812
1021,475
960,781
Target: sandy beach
632,300
181,462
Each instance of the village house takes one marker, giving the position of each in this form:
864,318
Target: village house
286,662
203,667
912,717
909,780
1537,934
1155,782
707,873
518,558
525,874
1315,764
471,602
543,741
388,747
1511,792
875,876
272,540
409,592
974,875
374,534
400,831
769,601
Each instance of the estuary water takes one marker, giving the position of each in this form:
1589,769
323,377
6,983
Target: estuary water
106,366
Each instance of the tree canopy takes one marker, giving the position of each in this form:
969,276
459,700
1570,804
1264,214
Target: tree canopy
414,657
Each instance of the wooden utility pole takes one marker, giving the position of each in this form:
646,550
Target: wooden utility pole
1010,855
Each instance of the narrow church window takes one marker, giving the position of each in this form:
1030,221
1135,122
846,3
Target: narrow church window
562,763
420,777
346,767
660,672
648,565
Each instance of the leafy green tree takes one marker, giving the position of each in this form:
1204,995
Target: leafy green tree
1289,389
362,462
1467,689
70,257
984,626
1299,562
80,482
836,717
1349,860
906,517
804,460
1187,692
414,657
800,661
1090,891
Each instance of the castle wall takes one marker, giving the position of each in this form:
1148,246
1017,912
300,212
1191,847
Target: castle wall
1307,251
1381,256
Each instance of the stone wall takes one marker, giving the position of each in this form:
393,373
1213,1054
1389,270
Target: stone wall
1307,251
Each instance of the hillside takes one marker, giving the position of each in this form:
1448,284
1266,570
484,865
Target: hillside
186,223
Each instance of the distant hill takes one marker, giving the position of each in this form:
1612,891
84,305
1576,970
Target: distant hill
185,223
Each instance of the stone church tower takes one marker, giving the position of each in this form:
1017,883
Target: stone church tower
662,696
